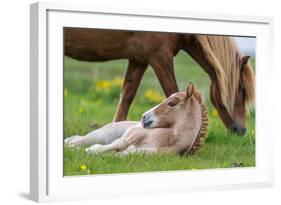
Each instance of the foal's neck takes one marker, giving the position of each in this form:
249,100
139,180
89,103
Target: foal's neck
188,125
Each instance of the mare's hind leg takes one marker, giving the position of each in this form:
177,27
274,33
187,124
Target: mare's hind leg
131,83
162,64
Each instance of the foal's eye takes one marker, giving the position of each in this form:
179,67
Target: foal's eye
171,104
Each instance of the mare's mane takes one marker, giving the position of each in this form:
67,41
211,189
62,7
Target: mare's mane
226,57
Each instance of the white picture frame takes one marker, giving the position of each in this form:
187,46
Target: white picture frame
47,182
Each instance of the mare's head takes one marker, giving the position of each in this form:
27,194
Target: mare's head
173,109
232,78
231,103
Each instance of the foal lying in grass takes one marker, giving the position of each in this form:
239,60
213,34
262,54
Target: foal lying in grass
177,125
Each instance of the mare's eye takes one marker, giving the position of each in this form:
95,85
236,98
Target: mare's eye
243,92
171,104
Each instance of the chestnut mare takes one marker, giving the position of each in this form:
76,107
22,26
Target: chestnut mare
232,78
177,125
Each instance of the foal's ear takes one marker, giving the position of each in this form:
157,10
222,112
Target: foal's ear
245,60
189,90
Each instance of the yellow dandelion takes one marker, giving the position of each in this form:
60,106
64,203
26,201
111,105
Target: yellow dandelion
153,96
117,82
83,167
214,113
65,92
81,110
253,132
103,85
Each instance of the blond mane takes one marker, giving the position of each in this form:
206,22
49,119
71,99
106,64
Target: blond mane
203,131
225,57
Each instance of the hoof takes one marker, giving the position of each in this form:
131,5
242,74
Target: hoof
72,141
97,148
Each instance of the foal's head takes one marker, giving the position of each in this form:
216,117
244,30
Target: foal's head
171,110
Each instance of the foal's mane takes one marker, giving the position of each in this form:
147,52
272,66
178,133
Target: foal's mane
225,57
203,131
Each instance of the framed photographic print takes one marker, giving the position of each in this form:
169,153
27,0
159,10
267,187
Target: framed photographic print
130,102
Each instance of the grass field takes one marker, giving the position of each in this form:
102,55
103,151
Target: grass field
91,94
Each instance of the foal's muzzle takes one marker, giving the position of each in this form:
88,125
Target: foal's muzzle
237,129
146,121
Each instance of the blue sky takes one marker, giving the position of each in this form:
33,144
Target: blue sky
246,44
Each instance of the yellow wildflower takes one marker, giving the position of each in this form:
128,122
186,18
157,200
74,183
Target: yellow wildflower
81,110
253,132
215,113
117,82
65,92
153,96
83,167
103,85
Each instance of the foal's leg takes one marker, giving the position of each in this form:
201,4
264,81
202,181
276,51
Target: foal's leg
131,83
104,135
132,136
162,64
150,150
117,145
133,149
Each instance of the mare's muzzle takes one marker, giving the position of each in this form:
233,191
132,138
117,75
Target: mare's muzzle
237,129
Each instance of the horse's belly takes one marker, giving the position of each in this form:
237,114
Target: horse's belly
95,45
94,53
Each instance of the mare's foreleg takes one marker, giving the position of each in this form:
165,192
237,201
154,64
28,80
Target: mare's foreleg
131,83
162,64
